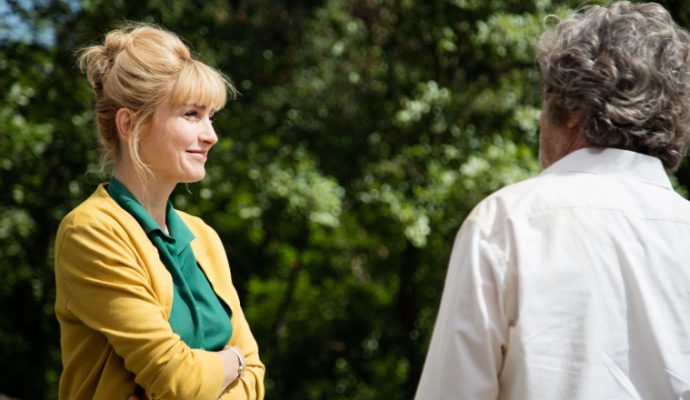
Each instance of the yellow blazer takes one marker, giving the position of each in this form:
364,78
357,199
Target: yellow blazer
113,300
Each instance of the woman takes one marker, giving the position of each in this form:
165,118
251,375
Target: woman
144,297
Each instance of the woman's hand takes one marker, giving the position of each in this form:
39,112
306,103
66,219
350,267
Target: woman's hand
240,359
232,357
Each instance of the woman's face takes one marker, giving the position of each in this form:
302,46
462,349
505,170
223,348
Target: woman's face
177,141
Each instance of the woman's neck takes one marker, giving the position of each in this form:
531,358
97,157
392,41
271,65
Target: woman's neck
150,192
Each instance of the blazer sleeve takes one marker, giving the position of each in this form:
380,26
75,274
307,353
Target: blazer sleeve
110,292
251,385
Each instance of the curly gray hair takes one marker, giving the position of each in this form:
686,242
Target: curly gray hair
626,70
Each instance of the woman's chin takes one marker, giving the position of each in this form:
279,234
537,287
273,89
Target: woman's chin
194,178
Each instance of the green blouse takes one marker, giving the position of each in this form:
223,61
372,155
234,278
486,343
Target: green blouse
201,319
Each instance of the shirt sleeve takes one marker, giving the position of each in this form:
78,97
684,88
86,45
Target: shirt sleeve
110,292
470,336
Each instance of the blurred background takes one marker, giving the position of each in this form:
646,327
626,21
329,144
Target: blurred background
365,132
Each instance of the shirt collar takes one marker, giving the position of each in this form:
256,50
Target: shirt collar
178,230
611,161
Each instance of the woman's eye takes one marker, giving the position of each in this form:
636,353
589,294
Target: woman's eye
212,117
191,113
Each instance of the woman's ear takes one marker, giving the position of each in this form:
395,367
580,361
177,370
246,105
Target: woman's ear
124,121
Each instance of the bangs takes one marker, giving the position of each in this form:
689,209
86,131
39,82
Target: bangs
199,84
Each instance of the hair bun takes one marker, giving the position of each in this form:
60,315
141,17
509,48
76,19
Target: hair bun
115,41
95,62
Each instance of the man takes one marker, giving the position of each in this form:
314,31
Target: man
575,284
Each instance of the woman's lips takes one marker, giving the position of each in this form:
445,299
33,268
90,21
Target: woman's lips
200,153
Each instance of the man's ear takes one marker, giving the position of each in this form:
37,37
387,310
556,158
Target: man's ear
572,127
124,121
573,121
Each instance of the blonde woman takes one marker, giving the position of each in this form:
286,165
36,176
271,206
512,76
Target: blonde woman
144,297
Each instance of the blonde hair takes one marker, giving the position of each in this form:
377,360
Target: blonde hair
140,67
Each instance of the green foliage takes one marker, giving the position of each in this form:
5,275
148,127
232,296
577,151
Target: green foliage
364,134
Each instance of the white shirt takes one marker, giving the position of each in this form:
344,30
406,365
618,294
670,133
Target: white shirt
574,284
